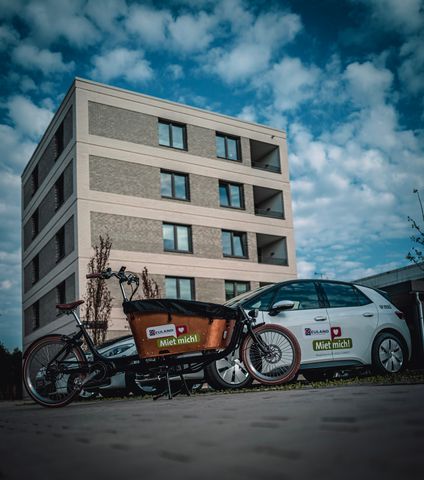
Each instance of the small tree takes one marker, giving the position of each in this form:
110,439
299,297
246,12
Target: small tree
98,300
149,287
416,254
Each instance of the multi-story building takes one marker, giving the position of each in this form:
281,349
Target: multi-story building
201,199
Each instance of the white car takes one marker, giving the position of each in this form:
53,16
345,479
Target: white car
339,326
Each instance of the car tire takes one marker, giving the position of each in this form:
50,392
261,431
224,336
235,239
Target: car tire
389,354
228,373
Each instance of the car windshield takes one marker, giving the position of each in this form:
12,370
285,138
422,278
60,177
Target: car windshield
244,297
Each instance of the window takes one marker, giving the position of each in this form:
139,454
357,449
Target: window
59,141
234,244
59,192
34,180
179,287
176,238
303,294
34,224
60,244
261,301
233,288
35,269
342,295
35,315
61,293
228,147
172,135
231,195
174,185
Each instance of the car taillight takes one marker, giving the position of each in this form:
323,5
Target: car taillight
400,314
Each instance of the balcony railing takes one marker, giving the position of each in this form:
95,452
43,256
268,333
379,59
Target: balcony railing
269,213
266,166
272,260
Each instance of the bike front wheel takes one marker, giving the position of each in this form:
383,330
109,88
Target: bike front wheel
280,360
53,371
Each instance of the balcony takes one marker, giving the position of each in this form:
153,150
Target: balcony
268,202
265,156
272,249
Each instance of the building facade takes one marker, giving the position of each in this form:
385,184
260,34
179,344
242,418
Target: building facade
200,199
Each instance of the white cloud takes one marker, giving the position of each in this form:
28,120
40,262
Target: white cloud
367,84
405,16
16,150
291,82
412,67
252,50
176,71
8,37
122,63
305,269
6,285
149,24
32,58
240,63
191,33
248,113
106,14
28,118
51,20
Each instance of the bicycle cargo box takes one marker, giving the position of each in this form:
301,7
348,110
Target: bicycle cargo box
169,327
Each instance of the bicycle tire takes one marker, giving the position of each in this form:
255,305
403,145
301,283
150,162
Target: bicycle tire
46,388
281,364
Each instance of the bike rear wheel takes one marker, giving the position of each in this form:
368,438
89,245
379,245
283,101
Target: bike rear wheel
49,371
281,361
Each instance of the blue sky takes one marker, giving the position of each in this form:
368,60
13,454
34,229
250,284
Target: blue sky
344,78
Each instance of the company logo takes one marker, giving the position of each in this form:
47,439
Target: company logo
338,344
336,332
163,331
313,331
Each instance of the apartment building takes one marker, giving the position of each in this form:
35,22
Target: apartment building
201,199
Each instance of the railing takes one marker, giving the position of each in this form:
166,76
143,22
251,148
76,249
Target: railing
266,166
272,260
266,212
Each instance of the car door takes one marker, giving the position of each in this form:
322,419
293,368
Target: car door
353,320
308,319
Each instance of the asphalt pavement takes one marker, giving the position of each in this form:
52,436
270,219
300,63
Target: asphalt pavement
356,432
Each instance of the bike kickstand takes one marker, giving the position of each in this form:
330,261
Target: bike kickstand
185,387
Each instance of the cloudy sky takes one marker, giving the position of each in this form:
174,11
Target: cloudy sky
344,78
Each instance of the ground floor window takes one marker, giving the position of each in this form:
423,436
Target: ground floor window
180,288
233,288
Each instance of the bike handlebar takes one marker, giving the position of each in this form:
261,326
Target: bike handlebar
94,275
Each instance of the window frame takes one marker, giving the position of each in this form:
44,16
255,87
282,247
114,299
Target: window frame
227,185
170,124
35,314
244,244
35,269
34,180
175,229
225,136
320,300
35,224
187,185
178,289
234,289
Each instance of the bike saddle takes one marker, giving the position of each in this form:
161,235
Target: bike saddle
69,306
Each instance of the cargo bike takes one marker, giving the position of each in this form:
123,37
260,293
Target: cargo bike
173,338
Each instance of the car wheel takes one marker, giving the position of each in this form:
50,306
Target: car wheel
228,373
389,354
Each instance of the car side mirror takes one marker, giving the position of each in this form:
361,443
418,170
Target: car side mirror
280,306
253,313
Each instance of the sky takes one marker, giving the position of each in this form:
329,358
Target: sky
343,78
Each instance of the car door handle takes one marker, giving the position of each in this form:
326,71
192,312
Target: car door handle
320,318
367,314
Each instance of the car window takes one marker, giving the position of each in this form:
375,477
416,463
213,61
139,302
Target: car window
261,302
251,294
303,294
342,295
